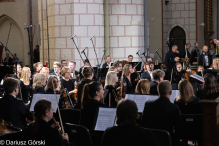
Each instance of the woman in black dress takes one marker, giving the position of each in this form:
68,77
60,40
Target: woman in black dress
17,73
39,83
127,71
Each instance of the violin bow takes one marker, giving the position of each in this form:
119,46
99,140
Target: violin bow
58,110
171,77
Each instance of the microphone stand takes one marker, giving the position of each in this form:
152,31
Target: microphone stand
158,54
77,49
86,56
8,39
147,53
104,52
98,65
30,53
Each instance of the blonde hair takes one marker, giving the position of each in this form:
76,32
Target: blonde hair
110,78
24,74
112,68
35,65
126,70
44,69
38,79
64,70
50,82
143,87
186,93
215,63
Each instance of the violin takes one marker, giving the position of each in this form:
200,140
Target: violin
115,96
187,74
75,94
65,98
135,70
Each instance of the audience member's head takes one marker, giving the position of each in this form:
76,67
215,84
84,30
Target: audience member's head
111,78
186,92
52,83
39,80
164,89
210,84
88,72
143,87
37,66
11,86
126,113
130,58
45,71
63,63
158,75
25,74
93,90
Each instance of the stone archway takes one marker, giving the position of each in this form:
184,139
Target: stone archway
16,40
179,37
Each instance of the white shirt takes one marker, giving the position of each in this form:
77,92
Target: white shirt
206,60
109,64
151,75
58,76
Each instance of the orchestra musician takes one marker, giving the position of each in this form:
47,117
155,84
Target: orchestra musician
37,66
149,59
194,54
86,63
130,58
12,109
45,71
127,71
41,129
148,69
52,70
17,75
179,73
118,65
185,51
90,101
74,73
39,82
205,59
88,73
158,76
26,85
110,88
112,68
143,87
57,69
63,63
108,62
216,63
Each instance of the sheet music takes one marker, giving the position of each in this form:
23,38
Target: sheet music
105,119
197,77
50,97
141,99
174,95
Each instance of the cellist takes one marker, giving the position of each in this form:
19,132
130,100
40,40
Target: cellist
179,73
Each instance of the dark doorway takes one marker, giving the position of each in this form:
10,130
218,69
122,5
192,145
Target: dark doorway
179,38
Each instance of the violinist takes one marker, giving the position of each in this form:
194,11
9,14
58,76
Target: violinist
74,73
57,69
194,54
179,73
41,129
205,59
130,58
158,76
110,87
66,81
143,87
88,73
17,75
127,71
39,82
45,71
26,85
37,66
118,65
86,63
148,69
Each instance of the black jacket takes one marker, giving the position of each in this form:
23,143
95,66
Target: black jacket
36,56
39,90
146,75
79,92
194,55
45,132
104,65
153,87
200,60
129,86
169,60
88,113
182,53
13,110
128,136
26,91
109,89
162,114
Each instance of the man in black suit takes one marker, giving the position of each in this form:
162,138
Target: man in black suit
182,53
205,59
148,70
57,70
171,58
12,109
74,73
158,76
108,62
162,114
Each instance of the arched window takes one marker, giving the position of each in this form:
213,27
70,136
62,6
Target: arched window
179,38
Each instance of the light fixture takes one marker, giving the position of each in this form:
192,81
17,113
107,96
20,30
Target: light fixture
166,2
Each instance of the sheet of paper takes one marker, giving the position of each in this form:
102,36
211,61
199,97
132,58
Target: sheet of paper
50,97
175,94
141,99
105,119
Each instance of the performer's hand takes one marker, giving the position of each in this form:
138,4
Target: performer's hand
216,42
118,88
189,70
73,91
65,136
176,59
63,91
107,66
56,125
124,84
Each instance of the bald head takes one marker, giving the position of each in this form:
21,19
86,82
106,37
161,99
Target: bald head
164,88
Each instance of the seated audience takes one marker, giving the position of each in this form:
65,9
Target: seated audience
143,87
90,101
88,73
158,76
26,85
12,109
45,71
57,69
110,83
39,82
40,129
17,73
128,133
187,101
210,88
162,114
